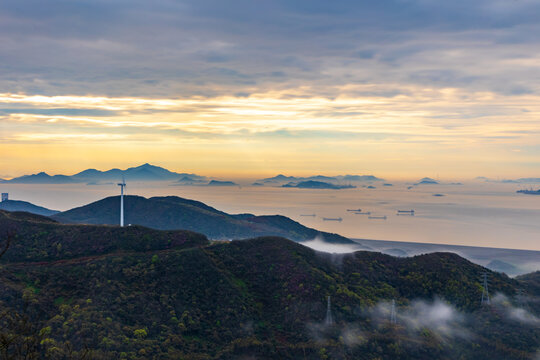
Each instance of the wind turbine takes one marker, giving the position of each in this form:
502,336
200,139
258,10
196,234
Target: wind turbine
122,186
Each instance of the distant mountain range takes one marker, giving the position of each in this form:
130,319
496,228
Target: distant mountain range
510,261
524,180
148,172
529,180
312,184
17,205
144,172
280,179
173,213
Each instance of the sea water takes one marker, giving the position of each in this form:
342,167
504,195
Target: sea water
475,213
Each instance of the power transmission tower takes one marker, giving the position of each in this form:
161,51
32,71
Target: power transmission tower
521,298
485,290
393,318
328,321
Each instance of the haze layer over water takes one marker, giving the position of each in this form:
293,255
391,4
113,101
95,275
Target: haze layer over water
476,214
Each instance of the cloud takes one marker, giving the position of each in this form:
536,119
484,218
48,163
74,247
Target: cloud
320,245
442,319
57,111
514,313
173,47
447,77
349,334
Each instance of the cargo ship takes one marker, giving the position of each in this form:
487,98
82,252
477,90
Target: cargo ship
405,212
332,219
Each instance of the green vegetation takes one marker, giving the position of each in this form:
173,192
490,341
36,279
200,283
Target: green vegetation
137,293
172,213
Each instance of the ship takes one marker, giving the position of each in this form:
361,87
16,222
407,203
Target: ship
354,210
332,219
377,217
363,213
313,215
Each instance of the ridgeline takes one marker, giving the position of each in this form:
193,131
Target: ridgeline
172,213
104,292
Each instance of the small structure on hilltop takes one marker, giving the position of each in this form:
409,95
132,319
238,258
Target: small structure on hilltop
122,186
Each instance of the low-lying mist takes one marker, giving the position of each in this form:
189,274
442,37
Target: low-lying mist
319,244
415,319
438,316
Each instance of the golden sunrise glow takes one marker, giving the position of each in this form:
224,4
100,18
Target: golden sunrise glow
428,126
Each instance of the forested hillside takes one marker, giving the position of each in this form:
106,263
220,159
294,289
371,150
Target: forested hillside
102,292
173,213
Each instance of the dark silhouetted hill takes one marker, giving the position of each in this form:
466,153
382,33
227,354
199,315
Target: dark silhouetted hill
171,213
137,293
40,238
18,205
502,266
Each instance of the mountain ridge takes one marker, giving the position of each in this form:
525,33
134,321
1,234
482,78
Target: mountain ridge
19,205
145,172
283,178
138,297
172,212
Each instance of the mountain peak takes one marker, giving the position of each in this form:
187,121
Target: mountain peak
171,213
18,205
144,172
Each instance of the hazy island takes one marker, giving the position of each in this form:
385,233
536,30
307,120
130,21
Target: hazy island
312,184
529,192
221,183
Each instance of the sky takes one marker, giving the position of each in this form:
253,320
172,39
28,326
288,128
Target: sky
395,88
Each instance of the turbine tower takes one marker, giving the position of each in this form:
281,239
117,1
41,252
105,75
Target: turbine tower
122,186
